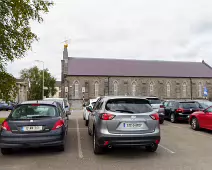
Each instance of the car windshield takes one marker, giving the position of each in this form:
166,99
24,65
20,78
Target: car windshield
154,100
187,105
128,106
206,104
93,103
33,111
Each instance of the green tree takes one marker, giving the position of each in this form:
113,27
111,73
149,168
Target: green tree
16,36
8,87
34,76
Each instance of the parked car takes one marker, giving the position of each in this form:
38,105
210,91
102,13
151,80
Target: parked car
7,105
34,124
201,119
204,104
123,121
176,110
158,106
86,110
64,103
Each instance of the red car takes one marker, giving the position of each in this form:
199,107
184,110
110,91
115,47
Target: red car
201,119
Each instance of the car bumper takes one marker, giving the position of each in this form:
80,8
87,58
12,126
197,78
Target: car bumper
183,116
127,141
14,141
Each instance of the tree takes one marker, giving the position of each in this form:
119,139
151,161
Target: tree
34,77
8,88
16,36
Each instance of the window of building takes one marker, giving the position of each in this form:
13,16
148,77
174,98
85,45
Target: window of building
76,89
96,89
168,88
133,88
151,89
200,89
184,89
115,88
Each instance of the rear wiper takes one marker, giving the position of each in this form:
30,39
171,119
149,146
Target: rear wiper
127,111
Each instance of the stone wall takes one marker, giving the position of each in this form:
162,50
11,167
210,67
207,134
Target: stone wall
142,87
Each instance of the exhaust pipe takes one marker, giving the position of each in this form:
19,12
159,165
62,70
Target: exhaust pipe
109,146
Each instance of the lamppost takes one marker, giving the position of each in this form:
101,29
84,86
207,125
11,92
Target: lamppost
43,77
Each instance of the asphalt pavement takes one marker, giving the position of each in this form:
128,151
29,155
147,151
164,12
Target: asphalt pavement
180,149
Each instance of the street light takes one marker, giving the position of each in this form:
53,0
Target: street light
43,77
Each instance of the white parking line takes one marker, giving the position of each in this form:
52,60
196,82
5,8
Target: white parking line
167,149
79,141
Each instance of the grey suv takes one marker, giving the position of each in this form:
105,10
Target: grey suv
123,121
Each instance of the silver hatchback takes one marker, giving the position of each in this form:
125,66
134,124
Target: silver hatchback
118,121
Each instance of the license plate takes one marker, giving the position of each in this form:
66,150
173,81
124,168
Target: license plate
31,128
133,125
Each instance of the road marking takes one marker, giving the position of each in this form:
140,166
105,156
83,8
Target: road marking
79,141
170,151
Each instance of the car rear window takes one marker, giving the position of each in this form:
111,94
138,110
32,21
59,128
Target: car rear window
188,105
154,100
93,103
31,111
128,106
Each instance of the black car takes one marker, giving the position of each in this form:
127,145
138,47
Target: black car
34,124
180,110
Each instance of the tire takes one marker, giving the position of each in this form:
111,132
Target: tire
5,151
161,121
194,124
152,148
173,118
61,148
96,148
86,122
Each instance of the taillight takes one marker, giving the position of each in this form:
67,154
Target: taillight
106,116
155,116
58,124
179,110
5,126
161,106
35,105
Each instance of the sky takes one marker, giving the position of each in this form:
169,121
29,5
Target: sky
125,29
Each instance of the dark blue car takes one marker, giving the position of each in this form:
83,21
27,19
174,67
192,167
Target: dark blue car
34,124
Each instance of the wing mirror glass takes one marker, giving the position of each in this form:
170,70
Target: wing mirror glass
89,108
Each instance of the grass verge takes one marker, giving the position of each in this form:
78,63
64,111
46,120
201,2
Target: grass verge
1,120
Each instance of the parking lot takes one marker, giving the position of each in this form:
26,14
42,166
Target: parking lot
180,149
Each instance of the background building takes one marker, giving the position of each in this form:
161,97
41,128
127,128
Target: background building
58,87
91,77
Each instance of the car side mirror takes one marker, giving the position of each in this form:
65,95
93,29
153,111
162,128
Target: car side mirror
89,108
83,105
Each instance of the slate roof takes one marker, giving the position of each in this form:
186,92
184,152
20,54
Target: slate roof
137,68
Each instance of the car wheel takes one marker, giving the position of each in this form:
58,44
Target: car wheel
96,148
86,122
5,151
173,118
152,148
61,148
194,124
161,121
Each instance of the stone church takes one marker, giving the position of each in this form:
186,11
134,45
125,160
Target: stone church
85,78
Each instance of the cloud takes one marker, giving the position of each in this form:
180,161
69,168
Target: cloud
147,29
